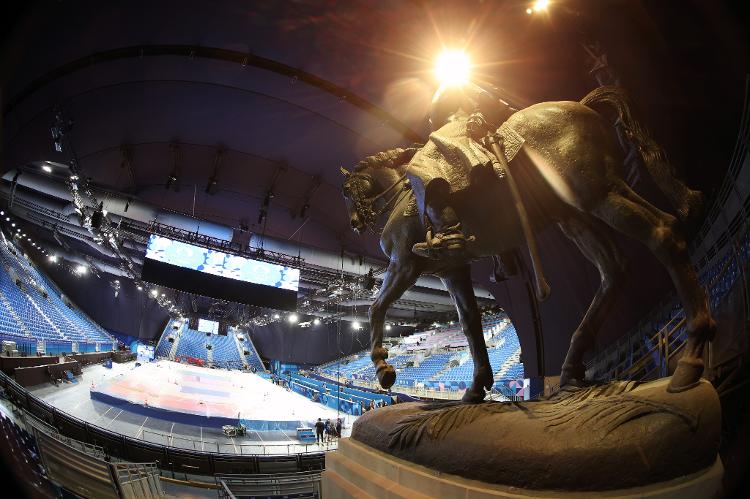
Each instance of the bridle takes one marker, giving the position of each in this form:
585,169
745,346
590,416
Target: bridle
364,206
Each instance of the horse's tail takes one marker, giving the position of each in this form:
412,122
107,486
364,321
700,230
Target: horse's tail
685,201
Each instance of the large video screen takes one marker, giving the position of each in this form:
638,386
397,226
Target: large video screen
216,274
207,326
221,264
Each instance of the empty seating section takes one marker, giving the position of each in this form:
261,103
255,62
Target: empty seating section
33,310
346,399
227,351
193,344
718,279
439,359
429,367
164,346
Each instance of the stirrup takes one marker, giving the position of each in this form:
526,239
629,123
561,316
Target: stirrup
451,241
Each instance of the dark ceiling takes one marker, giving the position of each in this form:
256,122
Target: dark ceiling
148,74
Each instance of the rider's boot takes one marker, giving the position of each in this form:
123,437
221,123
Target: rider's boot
448,242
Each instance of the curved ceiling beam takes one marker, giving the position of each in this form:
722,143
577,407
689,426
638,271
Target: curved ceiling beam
92,90
234,56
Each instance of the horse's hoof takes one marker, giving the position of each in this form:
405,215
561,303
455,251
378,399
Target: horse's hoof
686,376
473,396
572,382
572,375
386,376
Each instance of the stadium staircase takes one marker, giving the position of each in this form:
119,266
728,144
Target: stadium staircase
176,343
253,358
507,366
8,320
210,356
240,351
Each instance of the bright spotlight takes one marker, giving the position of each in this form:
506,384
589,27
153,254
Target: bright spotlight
276,316
540,5
2,213
316,321
387,327
47,168
452,68
52,258
292,318
81,269
154,293
356,325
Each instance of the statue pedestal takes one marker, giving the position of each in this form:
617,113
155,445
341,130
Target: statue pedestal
357,470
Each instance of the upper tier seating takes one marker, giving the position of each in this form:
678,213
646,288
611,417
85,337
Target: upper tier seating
226,350
437,358
33,314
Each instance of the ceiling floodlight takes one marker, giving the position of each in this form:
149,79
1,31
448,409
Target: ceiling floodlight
356,325
81,269
292,318
538,6
276,316
387,327
452,68
316,321
154,293
47,168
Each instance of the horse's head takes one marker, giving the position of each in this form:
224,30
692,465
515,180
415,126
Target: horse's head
359,189
375,177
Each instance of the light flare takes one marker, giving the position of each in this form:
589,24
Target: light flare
453,68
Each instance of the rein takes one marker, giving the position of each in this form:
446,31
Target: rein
373,199
371,216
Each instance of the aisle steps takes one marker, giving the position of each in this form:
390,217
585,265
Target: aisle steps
514,358
13,313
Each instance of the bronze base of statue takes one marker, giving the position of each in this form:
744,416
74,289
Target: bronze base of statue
618,435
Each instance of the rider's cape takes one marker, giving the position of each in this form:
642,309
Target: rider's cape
451,154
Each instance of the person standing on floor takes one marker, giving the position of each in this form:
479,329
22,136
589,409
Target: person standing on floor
329,430
338,427
319,426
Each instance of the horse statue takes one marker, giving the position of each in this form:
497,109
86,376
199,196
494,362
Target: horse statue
567,170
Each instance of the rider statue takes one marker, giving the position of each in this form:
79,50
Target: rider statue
461,118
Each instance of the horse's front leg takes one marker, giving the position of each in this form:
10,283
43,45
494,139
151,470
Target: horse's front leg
458,282
401,275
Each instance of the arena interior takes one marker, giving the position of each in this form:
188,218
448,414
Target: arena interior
186,310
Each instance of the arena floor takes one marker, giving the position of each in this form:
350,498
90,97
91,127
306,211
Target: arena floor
75,399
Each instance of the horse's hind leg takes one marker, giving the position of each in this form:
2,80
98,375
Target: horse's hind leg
590,237
399,277
626,211
458,283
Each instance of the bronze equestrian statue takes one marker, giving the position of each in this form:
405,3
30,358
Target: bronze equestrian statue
488,178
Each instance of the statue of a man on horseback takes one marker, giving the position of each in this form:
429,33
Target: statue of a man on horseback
460,191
